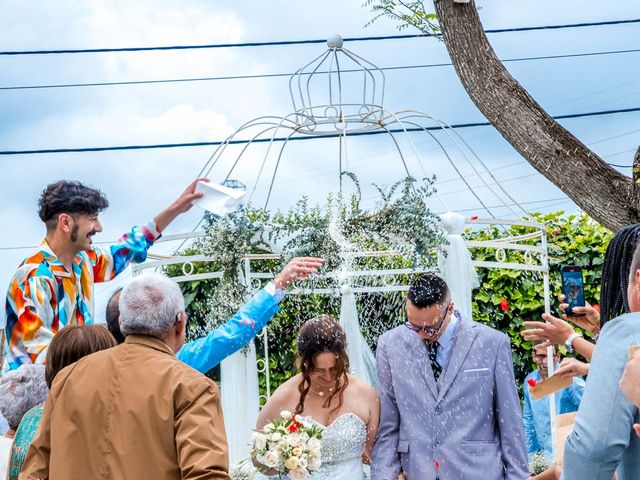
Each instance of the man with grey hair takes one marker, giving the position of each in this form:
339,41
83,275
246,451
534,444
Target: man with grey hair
20,391
147,414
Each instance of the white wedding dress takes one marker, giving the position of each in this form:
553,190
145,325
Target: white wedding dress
342,446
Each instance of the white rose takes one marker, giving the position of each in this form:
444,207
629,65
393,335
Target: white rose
302,463
297,451
314,463
298,474
314,443
286,415
276,437
291,463
294,439
271,459
281,445
259,440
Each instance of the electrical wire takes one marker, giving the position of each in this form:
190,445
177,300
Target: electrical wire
277,75
281,139
308,42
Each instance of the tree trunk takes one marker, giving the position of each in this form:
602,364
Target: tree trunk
605,194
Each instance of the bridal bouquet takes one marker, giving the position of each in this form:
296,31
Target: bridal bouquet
289,445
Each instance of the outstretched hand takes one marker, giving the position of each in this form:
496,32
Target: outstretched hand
180,205
298,268
553,331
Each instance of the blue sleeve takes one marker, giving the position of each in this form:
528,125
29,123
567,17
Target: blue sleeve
205,353
529,426
603,426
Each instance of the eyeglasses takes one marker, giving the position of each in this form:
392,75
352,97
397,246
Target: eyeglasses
430,330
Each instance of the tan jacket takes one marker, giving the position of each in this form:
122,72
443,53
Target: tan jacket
132,412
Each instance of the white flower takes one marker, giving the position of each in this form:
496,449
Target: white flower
269,427
302,463
259,440
291,462
276,437
314,443
298,474
294,439
286,415
304,436
314,462
297,451
271,459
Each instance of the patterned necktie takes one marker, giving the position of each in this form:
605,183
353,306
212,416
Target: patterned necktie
432,349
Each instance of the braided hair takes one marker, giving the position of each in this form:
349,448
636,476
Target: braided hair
320,335
615,273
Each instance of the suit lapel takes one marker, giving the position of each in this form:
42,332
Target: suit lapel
420,356
461,347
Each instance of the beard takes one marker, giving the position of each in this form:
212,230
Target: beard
74,232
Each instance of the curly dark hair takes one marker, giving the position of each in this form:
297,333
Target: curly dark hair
70,197
322,334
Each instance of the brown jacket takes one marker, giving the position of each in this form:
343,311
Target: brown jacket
132,412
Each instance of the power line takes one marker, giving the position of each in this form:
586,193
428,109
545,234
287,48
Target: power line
276,75
307,42
283,139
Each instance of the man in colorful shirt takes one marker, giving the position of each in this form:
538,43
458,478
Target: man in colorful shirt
536,413
54,286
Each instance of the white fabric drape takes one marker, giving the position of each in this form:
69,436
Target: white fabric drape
239,392
456,267
362,362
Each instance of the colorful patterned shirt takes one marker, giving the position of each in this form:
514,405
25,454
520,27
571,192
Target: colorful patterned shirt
44,296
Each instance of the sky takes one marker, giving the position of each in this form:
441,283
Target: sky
141,183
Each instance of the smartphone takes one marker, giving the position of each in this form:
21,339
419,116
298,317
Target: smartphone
573,288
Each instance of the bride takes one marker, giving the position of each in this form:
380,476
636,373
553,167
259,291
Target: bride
325,393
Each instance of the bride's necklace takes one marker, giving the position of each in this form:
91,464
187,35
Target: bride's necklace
320,393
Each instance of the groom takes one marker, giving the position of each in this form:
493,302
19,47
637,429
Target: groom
449,402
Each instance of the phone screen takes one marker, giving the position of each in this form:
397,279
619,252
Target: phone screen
573,289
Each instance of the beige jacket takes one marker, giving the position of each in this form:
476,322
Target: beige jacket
132,412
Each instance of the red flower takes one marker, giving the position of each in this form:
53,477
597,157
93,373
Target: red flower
293,427
473,218
437,464
504,305
532,382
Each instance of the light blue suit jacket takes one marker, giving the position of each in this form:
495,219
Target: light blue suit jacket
468,423
205,353
603,439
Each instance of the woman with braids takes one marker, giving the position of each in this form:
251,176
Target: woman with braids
325,393
613,303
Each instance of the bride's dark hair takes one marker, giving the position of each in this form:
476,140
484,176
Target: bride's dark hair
322,334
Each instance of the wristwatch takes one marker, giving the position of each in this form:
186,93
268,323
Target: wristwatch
568,343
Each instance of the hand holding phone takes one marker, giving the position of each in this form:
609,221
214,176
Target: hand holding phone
573,288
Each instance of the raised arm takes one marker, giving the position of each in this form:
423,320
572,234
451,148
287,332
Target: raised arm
205,353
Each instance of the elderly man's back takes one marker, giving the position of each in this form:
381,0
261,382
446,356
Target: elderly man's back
130,412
